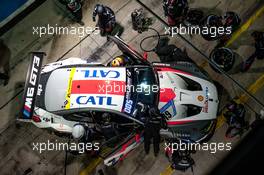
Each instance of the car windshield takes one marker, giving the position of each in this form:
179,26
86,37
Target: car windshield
142,88
145,86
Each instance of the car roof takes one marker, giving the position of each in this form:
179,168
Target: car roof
85,87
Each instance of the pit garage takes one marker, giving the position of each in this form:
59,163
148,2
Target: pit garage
66,29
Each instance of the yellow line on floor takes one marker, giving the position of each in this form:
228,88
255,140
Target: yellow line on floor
168,171
92,165
245,26
94,162
220,120
203,64
257,85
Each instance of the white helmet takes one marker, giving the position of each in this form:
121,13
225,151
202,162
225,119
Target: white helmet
78,131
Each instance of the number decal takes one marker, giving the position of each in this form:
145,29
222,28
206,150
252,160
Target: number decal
128,106
167,105
167,115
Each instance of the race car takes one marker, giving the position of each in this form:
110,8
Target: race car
62,94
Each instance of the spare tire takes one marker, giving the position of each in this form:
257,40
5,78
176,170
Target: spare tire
211,23
223,58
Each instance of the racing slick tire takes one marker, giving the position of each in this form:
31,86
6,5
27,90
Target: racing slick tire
223,57
208,22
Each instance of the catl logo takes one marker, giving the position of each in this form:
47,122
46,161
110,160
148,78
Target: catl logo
101,73
31,86
95,100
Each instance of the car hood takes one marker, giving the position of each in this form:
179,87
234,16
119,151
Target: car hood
177,101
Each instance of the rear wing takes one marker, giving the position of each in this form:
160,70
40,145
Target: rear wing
31,85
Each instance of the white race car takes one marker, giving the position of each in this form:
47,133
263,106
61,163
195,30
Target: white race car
62,94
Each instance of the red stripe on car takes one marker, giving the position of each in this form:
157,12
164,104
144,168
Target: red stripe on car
179,122
168,69
98,87
166,94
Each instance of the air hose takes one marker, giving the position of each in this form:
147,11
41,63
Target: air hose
151,36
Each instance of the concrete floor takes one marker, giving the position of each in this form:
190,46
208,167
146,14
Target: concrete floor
16,154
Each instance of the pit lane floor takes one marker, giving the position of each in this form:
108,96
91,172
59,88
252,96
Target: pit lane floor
17,156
